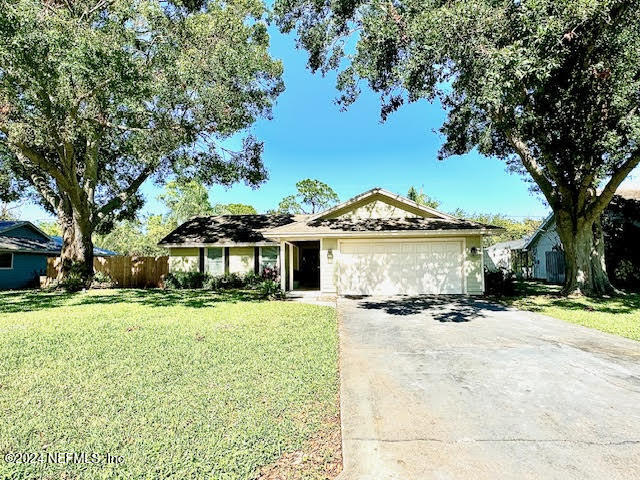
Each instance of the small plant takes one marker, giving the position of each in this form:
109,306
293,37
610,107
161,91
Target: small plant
231,280
76,279
72,282
270,290
500,283
271,273
179,280
102,280
212,282
251,280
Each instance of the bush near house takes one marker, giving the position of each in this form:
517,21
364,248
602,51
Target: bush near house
499,283
267,283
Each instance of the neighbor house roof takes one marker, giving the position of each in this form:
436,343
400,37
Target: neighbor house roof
544,226
629,194
8,225
47,245
28,245
517,244
97,252
226,229
335,226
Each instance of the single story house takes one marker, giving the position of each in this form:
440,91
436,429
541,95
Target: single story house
376,243
621,227
24,250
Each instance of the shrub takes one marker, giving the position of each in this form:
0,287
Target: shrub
212,282
102,280
270,290
74,281
231,280
251,280
500,283
271,273
179,280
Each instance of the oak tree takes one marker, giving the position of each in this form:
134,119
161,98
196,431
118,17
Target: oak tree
98,96
551,87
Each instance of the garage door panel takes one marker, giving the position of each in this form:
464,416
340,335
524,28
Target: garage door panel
410,268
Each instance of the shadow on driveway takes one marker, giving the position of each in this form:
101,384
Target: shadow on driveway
444,309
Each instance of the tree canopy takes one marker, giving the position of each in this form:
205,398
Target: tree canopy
233,209
550,87
422,198
513,229
312,196
97,97
184,200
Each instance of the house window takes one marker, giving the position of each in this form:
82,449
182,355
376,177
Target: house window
268,257
6,261
215,261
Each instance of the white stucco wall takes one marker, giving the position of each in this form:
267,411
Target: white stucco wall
241,259
183,260
328,267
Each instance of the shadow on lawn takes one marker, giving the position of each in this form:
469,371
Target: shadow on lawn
456,309
31,300
536,296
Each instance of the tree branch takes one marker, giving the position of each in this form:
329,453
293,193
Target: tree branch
602,200
124,195
48,194
532,166
39,161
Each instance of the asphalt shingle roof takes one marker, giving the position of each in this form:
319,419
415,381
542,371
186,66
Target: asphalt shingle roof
346,225
226,229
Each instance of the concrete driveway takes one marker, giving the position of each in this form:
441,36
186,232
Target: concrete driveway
458,388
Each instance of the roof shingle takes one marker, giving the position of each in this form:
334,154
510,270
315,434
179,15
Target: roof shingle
226,229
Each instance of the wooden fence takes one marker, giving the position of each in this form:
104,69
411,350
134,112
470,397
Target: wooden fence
126,272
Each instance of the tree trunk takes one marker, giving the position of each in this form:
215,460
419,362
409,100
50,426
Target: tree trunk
76,256
583,243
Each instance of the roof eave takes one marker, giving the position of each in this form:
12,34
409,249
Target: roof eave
262,243
390,233
26,250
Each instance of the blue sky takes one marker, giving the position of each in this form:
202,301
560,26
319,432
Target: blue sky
352,151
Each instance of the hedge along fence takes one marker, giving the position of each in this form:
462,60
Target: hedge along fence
126,272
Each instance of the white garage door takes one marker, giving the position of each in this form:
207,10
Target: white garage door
392,267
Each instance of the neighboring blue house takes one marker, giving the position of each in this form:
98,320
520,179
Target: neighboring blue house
24,250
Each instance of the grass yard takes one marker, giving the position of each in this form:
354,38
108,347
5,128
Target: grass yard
180,384
618,315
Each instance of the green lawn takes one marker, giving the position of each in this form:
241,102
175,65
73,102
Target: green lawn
181,384
618,315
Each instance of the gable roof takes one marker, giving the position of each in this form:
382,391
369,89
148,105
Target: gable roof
8,225
47,245
226,229
377,191
28,245
97,251
264,229
544,226
517,244
338,226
